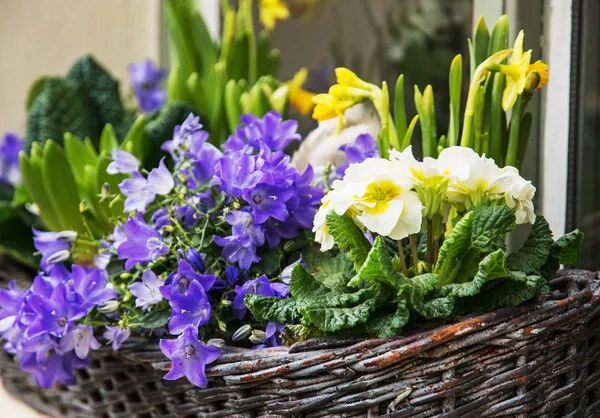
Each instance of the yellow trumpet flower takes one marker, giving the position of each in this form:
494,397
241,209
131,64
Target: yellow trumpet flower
328,107
271,11
542,69
516,70
299,98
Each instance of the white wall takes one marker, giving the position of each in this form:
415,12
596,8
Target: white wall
40,37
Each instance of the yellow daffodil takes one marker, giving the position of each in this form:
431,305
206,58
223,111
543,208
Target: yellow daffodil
516,70
345,77
328,107
271,11
300,98
542,69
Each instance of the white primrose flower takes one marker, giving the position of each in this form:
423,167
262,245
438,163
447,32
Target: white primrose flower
322,236
518,194
377,193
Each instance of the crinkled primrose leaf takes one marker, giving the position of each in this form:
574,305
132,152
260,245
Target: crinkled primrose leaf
349,236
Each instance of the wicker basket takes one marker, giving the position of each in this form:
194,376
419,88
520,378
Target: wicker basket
538,360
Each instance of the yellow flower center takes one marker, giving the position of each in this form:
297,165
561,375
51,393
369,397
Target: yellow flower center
378,194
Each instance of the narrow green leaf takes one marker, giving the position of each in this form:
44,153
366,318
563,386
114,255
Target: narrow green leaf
497,120
176,87
134,142
108,139
78,156
426,109
499,37
409,133
455,82
481,41
526,124
276,309
61,187
32,179
400,109
233,107
349,236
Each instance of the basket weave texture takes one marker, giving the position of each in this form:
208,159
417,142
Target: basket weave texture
538,360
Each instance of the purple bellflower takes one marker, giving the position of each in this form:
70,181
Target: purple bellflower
81,339
147,291
116,336
260,286
363,147
142,243
123,162
272,335
140,192
53,245
10,146
256,132
191,307
189,357
145,82
92,285
180,282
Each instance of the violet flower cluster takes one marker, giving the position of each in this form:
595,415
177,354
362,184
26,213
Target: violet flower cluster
10,146
183,256
146,81
44,326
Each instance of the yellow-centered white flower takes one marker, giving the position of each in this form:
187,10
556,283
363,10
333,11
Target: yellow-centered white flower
322,235
377,193
518,194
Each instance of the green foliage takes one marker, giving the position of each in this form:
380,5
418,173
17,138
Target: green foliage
473,273
81,103
349,236
152,320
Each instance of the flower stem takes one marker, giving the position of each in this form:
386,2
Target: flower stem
514,132
402,258
430,241
465,139
413,250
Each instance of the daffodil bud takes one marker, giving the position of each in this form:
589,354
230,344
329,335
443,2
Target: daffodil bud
109,306
532,82
242,333
257,336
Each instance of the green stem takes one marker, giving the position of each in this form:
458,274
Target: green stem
402,257
465,139
430,241
413,250
512,153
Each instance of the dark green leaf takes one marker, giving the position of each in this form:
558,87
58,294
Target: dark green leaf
294,333
151,320
491,267
270,261
389,325
272,308
333,319
426,304
454,249
378,267
333,271
303,285
567,247
349,236
535,251
489,222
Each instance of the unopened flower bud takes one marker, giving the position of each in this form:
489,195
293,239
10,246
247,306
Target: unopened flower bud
195,259
109,306
105,191
216,342
125,275
242,333
532,82
289,246
83,206
68,236
58,257
257,336
225,302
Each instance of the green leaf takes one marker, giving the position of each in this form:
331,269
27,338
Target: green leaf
108,139
535,251
134,142
378,267
455,81
332,319
270,261
266,308
454,249
176,87
61,187
491,267
349,236
481,42
430,306
78,156
567,247
34,91
294,333
99,93
332,271
389,325
489,222
32,179
468,267
58,109
303,285
400,109
152,320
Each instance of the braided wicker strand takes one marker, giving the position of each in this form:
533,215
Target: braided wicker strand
538,360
